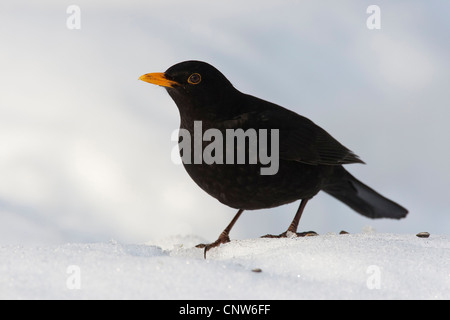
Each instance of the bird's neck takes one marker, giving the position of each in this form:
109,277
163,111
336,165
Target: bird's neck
210,113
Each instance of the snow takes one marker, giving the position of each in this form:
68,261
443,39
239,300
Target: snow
366,265
87,157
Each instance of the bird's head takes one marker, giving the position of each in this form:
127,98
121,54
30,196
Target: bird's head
193,84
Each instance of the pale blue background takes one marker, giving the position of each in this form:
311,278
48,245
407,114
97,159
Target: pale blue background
85,147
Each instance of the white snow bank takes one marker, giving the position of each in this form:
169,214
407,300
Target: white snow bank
355,266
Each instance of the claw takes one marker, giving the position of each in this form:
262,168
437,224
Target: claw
289,234
218,242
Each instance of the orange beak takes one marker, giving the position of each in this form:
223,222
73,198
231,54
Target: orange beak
159,79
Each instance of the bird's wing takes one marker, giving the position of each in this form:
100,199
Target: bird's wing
300,139
304,141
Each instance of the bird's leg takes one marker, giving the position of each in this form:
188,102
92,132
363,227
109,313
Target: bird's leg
223,238
294,225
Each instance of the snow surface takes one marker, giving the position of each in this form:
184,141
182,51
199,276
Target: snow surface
330,266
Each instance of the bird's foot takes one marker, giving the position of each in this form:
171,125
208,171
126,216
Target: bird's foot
218,242
290,234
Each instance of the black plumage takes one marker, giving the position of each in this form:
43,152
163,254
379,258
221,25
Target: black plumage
310,159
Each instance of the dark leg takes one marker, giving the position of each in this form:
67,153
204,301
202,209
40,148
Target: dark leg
294,225
223,238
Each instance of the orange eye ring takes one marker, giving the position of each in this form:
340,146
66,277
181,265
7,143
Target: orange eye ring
195,78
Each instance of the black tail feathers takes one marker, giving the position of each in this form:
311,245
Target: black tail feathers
361,198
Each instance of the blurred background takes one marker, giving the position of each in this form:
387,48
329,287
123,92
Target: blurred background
85,148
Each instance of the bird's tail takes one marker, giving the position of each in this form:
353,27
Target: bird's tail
361,198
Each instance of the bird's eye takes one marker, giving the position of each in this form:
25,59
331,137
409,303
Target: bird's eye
194,78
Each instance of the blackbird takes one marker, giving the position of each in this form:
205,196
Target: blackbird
309,159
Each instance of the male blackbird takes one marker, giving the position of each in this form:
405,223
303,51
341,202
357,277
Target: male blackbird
310,159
